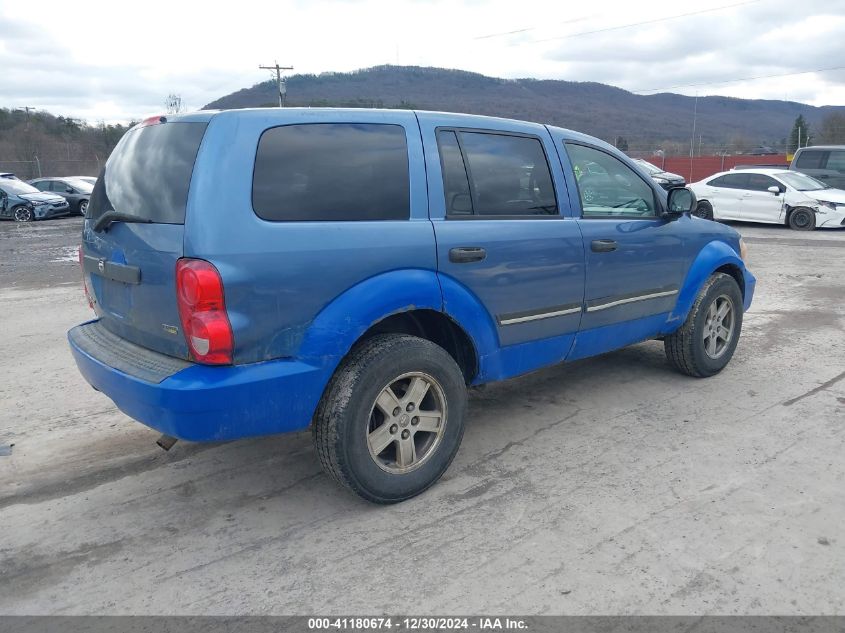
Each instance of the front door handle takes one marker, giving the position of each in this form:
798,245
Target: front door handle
603,246
467,254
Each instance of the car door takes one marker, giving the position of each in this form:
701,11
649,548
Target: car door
757,203
505,234
725,195
636,259
43,185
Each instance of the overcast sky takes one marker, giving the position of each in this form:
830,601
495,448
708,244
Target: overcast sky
115,61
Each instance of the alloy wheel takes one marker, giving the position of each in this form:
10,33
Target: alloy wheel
718,327
406,422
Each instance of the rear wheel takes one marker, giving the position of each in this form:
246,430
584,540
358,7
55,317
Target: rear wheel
392,418
23,214
802,219
706,341
703,210
83,207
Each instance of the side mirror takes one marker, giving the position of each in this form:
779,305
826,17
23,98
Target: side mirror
69,190
681,200
775,190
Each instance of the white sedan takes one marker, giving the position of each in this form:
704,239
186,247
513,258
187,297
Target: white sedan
776,196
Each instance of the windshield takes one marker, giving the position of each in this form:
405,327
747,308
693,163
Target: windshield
802,182
17,187
83,186
651,169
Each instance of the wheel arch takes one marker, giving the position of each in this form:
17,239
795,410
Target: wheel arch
401,302
716,256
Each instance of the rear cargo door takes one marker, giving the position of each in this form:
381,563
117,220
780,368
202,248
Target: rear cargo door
133,233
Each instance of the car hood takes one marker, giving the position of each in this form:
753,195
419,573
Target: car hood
668,175
829,195
41,197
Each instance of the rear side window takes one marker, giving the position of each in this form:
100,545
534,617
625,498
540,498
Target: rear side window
810,160
149,173
508,175
730,181
332,172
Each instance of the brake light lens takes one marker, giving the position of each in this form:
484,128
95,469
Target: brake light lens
202,311
85,283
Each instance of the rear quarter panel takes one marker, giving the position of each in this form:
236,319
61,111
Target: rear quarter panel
279,277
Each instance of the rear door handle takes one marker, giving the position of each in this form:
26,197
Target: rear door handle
467,254
603,246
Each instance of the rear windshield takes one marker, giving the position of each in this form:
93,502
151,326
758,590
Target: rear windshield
149,172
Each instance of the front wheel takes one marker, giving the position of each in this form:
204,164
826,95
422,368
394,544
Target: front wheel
83,207
802,219
703,210
392,418
23,214
705,343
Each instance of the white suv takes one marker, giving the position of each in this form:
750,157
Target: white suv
774,196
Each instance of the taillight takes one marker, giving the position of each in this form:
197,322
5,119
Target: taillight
202,310
85,283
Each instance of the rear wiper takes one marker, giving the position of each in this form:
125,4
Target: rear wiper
105,220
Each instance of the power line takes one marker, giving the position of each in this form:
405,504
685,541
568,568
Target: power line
279,83
529,28
730,81
614,28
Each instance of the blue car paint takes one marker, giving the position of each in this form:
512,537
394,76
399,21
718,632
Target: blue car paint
300,294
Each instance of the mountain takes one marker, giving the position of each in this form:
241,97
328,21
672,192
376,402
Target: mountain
594,108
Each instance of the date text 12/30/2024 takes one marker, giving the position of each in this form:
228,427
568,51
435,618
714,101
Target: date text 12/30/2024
416,623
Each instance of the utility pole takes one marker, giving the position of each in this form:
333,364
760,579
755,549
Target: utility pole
279,82
692,140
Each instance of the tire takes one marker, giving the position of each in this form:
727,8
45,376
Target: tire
23,214
802,219
83,207
704,210
692,349
359,440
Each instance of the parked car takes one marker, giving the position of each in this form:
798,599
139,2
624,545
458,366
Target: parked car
9,175
24,203
776,196
665,179
822,162
355,270
76,192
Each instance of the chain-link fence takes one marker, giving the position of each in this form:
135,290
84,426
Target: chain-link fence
37,168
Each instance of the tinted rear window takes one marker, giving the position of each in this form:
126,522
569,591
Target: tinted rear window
332,172
149,172
730,181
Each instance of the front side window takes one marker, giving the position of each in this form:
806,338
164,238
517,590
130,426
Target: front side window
608,187
761,182
810,160
503,175
332,172
836,161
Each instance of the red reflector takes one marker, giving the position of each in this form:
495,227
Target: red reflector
153,120
202,311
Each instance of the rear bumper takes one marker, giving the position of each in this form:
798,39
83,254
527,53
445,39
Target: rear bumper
201,402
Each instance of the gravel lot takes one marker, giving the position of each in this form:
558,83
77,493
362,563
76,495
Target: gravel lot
609,486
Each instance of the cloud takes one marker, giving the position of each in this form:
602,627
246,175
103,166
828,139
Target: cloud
126,61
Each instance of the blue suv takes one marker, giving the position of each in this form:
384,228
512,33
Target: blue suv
263,271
